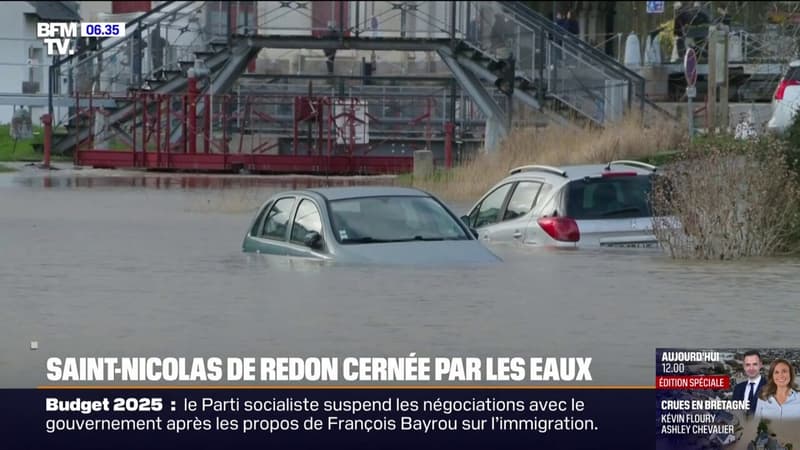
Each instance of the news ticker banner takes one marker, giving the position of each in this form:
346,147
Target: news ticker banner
354,402
348,417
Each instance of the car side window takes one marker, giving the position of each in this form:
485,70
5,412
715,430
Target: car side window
255,231
543,192
278,219
550,209
488,211
306,220
522,200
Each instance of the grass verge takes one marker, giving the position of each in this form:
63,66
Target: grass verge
19,150
552,146
23,149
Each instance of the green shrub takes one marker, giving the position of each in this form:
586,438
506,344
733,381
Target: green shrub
792,140
732,199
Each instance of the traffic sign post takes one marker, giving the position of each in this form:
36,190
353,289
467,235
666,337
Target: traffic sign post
655,7
690,71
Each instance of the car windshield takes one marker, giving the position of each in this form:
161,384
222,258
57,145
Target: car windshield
392,219
620,197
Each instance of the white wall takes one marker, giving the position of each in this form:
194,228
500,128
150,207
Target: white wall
17,36
90,11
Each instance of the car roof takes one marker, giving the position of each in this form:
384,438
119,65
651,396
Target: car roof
340,193
574,172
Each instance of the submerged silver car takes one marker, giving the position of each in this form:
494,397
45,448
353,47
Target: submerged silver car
605,205
363,225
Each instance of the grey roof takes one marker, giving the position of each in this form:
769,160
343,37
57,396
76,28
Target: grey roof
338,193
57,11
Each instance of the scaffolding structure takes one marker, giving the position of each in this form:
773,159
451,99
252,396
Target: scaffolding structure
263,132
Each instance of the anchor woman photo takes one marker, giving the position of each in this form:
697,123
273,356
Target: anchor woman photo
779,399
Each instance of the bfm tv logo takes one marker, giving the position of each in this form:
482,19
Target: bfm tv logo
58,37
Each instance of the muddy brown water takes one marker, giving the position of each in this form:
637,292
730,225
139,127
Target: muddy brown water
116,264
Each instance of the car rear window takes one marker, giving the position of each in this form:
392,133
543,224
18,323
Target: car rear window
609,198
793,73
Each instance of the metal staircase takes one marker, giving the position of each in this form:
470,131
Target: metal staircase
155,56
555,72
542,70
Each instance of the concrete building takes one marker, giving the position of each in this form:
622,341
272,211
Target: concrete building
91,11
23,58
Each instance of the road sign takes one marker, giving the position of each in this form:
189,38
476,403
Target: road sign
655,7
690,67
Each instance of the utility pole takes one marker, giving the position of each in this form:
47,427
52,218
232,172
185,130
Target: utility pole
711,97
718,79
722,75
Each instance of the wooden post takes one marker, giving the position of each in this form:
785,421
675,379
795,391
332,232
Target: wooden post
47,121
423,164
711,97
449,129
724,111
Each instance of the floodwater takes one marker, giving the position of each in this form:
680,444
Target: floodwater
98,263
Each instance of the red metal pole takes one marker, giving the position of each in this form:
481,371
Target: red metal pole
77,124
449,128
47,121
159,99
351,122
331,123
428,131
168,130
184,128
248,122
226,120
242,125
91,122
133,130
207,125
145,123
297,110
320,125
192,135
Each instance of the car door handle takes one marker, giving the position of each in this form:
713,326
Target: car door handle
517,234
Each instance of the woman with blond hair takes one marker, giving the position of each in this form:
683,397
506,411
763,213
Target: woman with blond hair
780,397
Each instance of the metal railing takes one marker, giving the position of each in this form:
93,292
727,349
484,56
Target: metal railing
767,47
113,65
587,59
574,72
406,19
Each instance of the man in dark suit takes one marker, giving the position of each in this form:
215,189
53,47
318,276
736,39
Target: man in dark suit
750,388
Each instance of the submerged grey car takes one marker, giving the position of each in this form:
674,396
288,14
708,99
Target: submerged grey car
363,225
596,205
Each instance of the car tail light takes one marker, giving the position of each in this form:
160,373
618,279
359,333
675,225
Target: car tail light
561,228
782,87
618,174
